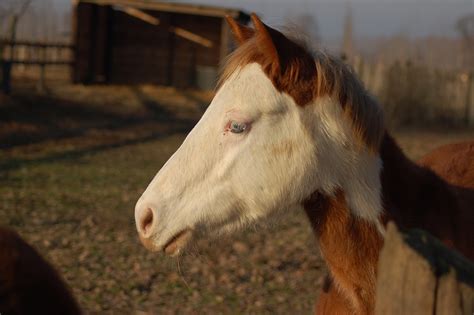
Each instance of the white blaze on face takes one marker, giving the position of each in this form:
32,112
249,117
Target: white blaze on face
255,152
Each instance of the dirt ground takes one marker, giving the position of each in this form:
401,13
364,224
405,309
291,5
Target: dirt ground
73,162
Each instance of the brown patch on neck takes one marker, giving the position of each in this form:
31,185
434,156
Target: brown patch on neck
350,247
306,76
414,197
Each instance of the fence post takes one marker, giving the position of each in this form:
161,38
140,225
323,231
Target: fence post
7,64
419,275
6,76
41,83
469,114
1,61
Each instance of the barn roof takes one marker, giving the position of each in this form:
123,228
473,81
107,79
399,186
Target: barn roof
174,7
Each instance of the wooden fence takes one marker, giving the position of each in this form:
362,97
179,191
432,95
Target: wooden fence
419,275
23,54
409,92
413,92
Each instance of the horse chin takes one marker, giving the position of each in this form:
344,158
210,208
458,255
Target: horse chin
228,229
178,242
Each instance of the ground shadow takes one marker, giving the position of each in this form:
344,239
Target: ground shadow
79,129
13,164
34,118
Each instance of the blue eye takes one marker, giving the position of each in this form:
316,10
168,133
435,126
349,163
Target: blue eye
236,127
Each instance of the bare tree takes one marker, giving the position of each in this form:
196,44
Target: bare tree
5,12
17,10
304,24
14,10
347,42
465,26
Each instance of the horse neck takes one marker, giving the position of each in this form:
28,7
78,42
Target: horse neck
414,196
400,179
351,245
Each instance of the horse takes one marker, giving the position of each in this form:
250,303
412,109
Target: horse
28,283
292,129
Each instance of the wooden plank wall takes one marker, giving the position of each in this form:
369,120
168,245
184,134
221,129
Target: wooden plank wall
189,55
117,48
139,51
83,33
92,27
101,43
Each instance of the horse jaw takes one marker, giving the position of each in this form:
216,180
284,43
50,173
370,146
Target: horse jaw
218,181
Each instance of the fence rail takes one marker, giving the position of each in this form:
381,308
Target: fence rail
37,44
416,93
40,62
410,93
22,53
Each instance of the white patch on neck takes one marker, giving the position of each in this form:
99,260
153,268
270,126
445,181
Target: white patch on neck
363,188
343,163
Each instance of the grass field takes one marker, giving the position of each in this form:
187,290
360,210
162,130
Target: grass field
74,161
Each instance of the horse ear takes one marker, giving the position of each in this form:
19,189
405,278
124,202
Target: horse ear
267,39
241,32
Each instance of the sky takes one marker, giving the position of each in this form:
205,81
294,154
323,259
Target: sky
372,18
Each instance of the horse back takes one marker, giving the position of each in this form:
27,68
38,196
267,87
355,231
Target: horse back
453,162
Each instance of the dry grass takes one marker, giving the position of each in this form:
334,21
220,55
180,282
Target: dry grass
72,165
414,93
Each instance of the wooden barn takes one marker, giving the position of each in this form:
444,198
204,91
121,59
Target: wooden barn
139,41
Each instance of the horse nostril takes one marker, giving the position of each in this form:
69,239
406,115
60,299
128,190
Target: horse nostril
146,222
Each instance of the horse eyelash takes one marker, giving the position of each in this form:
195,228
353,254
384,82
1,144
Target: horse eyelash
233,123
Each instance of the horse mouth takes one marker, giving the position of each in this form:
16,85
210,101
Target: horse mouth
177,242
